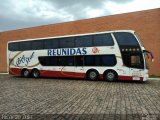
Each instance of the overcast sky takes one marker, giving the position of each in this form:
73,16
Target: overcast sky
17,14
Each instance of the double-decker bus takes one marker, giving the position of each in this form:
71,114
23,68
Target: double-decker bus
111,55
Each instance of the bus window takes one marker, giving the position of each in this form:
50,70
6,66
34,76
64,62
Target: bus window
98,60
65,60
52,61
103,40
13,46
135,60
83,41
51,43
108,60
37,44
48,61
69,60
124,38
41,60
126,59
26,45
61,61
79,60
67,42
89,60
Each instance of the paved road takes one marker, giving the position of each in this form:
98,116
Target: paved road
65,99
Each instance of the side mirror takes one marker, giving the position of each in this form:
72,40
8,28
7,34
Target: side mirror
149,54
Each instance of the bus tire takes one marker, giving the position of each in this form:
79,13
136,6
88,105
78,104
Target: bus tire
110,75
25,73
92,75
35,73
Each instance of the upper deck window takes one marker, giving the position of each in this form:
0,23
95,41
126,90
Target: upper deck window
25,45
124,38
67,42
13,46
51,43
103,40
83,41
37,44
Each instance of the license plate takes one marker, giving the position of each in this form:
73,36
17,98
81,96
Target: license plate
136,78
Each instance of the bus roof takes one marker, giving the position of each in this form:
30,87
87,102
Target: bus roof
74,35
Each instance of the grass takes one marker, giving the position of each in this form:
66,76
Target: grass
154,76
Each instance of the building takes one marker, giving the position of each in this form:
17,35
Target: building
145,23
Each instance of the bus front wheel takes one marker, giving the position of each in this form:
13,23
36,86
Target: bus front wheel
110,75
92,75
25,73
35,73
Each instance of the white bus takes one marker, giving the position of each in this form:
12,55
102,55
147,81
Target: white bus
111,55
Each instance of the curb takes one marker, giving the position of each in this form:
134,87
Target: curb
153,78
4,73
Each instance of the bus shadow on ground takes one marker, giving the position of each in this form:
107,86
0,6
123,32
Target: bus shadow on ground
80,79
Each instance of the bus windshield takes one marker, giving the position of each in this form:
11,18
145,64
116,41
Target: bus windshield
125,38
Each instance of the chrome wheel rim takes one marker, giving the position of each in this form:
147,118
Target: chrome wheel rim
26,73
110,76
35,74
92,75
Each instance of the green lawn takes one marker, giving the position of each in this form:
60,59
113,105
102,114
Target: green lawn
154,76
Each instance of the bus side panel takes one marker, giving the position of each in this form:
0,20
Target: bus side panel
15,71
128,78
61,74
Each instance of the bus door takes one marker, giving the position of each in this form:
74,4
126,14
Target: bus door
136,66
79,67
126,64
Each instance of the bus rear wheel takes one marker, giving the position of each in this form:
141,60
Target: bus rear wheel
110,76
92,75
25,73
35,73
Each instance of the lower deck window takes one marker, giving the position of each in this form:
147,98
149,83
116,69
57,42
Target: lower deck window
108,60
87,60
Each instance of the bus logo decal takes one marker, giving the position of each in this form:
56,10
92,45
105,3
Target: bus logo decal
24,59
67,51
95,50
